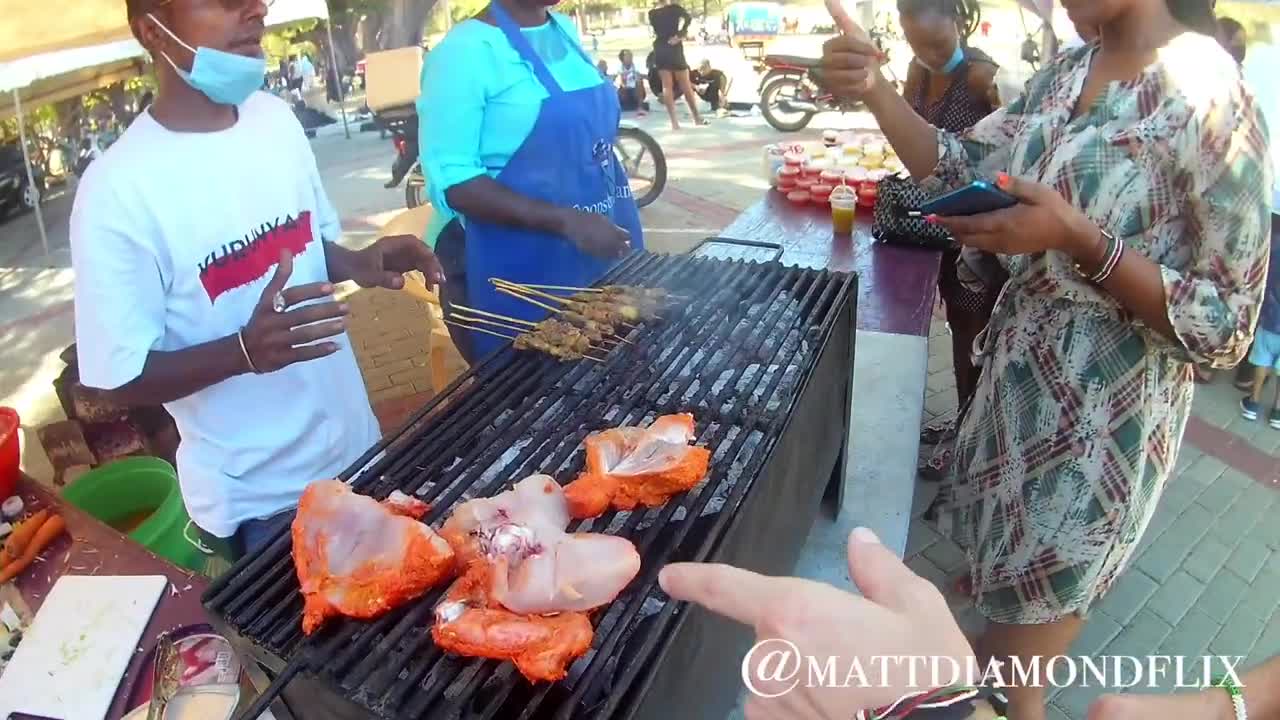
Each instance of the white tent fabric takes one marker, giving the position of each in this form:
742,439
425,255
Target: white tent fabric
39,41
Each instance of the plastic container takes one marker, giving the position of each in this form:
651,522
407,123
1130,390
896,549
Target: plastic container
819,193
799,197
9,455
140,497
844,209
773,161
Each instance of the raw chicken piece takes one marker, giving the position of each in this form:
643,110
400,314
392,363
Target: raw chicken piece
542,647
358,557
536,566
528,583
630,466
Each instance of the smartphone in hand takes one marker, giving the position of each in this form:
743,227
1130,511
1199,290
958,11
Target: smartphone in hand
973,199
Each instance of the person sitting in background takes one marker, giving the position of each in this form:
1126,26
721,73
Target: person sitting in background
603,67
713,86
631,93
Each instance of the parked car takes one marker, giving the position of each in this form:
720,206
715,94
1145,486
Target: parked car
16,192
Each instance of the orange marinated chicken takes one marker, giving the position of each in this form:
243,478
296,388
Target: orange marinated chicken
630,466
359,557
541,646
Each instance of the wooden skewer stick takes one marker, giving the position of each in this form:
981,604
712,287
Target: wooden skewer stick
526,298
500,284
495,316
486,321
477,329
567,288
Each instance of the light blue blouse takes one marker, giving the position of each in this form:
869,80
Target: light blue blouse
479,101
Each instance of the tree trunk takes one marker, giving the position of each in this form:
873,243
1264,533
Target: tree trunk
403,23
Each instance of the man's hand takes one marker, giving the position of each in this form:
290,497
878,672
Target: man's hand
384,263
595,234
899,614
276,339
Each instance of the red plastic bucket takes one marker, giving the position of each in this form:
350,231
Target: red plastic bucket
8,451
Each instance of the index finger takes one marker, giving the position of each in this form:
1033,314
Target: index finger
845,22
310,291
735,593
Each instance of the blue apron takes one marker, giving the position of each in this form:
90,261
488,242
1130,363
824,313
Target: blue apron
568,161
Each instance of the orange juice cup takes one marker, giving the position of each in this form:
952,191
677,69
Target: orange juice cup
844,208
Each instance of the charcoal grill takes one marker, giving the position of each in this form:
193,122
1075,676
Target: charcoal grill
763,357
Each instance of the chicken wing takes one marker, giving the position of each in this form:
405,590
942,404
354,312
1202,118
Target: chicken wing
630,466
358,557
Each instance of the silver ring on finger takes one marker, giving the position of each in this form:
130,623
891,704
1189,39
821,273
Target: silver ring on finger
278,304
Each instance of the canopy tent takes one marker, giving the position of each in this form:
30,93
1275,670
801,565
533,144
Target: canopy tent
58,49
34,28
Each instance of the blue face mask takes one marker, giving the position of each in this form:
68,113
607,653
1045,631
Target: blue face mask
223,77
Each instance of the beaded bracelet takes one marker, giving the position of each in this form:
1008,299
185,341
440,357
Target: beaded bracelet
1237,695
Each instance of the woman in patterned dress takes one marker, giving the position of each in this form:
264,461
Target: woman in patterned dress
1145,142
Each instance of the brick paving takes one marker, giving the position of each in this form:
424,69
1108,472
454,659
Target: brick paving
1206,579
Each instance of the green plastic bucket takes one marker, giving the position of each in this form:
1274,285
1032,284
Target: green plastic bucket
140,498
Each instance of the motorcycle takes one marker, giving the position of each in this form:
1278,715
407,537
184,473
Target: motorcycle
792,91
402,124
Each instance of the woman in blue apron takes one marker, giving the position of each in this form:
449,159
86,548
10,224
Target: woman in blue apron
517,133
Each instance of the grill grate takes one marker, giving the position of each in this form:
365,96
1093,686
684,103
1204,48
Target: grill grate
736,356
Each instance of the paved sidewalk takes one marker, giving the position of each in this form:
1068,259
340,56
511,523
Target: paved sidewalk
1206,579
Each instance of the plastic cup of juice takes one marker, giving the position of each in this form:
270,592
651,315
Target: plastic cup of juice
844,208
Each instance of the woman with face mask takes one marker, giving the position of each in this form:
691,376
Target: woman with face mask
1136,249
952,86
516,134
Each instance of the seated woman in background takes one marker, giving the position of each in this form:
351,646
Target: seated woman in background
952,86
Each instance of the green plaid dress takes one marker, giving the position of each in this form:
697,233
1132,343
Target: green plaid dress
1080,409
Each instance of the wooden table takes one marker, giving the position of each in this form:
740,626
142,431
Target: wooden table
91,548
897,288
897,285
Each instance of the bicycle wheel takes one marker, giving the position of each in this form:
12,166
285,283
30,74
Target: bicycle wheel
646,165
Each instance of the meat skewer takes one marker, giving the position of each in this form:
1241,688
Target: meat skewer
602,312
596,332
529,341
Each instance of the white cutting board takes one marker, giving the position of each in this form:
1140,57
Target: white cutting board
71,659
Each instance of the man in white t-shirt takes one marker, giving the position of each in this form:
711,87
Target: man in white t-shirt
204,253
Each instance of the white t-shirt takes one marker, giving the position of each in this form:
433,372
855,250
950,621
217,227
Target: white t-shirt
1260,74
173,237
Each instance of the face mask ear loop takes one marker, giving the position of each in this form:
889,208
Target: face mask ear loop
169,32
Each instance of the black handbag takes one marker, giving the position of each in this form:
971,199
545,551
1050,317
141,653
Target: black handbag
897,197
